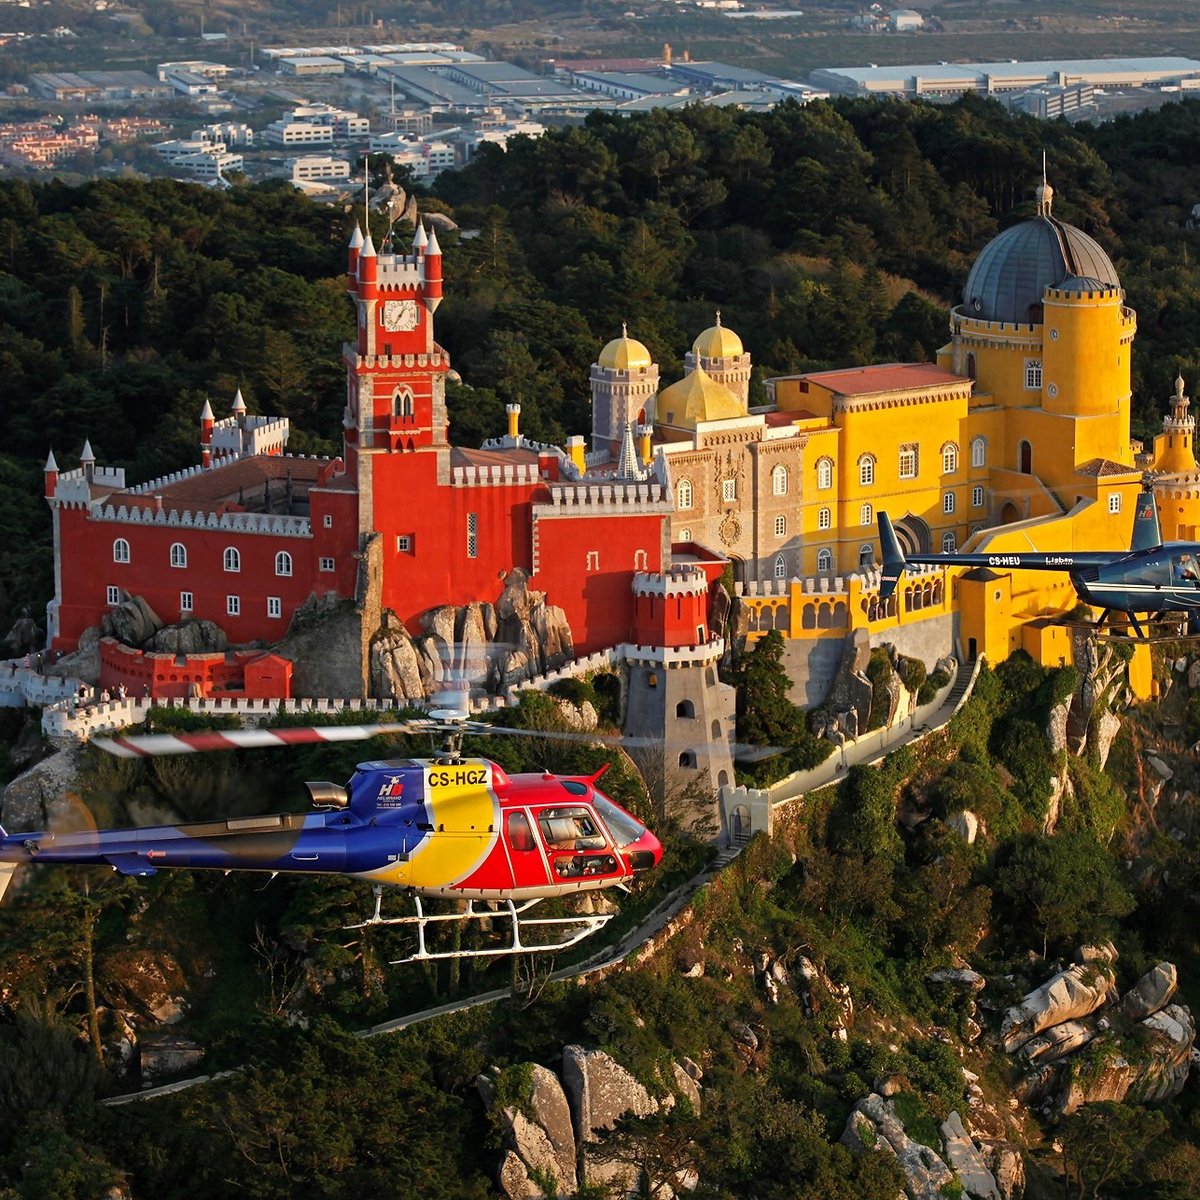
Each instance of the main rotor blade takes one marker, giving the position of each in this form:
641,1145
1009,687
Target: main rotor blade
147,745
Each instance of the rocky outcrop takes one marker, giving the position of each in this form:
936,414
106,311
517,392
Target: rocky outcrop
132,621
1102,952
24,637
967,1161
1156,1070
1073,993
553,1115
395,668
325,645
850,696
874,1126
1102,735
532,636
190,637
961,978
1008,1169
1152,992
966,824
1058,1041
29,799
600,1090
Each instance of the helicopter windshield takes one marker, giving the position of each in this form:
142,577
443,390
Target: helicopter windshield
624,828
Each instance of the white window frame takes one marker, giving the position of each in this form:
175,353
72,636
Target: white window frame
187,602
327,521
1033,374
685,534
233,606
866,555
824,518
949,458
232,560
779,480
866,470
824,473
120,551
780,567
949,542
866,514
684,495
178,554
977,497
283,563
780,525
825,559
907,462
274,607
948,502
1114,502
979,452
729,491
112,595
404,543
326,564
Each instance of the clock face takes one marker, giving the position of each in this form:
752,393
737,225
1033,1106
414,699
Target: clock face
400,315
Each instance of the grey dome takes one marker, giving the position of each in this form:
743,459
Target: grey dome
1015,268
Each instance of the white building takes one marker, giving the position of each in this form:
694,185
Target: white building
905,20
209,164
497,135
286,132
319,166
231,133
179,148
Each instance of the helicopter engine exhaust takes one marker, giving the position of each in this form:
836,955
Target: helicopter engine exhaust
327,795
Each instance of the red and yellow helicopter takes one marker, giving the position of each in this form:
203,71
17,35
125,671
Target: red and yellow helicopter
448,826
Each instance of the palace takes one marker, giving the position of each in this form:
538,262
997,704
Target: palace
1018,436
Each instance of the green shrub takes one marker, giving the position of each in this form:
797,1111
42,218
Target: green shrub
576,691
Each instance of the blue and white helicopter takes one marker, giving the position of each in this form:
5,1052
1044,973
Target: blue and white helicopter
1152,577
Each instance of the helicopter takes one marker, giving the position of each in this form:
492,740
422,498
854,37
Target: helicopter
449,827
1152,576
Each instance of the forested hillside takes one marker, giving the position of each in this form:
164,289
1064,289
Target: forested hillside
827,235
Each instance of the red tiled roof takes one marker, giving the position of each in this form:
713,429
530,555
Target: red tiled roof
1098,467
779,418
888,377
462,457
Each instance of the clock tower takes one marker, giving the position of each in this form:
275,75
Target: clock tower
395,371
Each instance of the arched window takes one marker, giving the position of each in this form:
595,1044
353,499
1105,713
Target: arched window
178,554
825,472
687,758
683,494
283,563
120,551
779,481
949,542
685,534
979,452
824,560
949,458
233,560
824,518
1025,458
866,470
781,526
402,403
970,366
866,514
948,502
780,567
685,708
866,555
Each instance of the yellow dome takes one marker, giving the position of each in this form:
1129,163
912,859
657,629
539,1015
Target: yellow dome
696,397
718,342
625,354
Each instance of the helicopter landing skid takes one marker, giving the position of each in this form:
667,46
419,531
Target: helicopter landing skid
574,929
1147,633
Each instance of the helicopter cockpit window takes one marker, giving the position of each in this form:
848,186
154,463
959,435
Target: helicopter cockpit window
570,829
1187,570
520,833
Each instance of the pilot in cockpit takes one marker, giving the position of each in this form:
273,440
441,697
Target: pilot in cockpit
1186,567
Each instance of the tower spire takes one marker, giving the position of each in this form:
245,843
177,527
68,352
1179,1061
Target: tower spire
1045,193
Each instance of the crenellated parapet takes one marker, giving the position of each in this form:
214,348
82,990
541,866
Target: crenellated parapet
609,496
249,435
231,522
494,474
75,488
682,579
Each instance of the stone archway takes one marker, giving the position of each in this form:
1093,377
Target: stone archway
914,535
741,831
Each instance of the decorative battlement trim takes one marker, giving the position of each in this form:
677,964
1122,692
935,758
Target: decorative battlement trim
606,495
682,579
523,443
230,522
1053,293
961,323
496,474
672,656
369,361
826,585
163,481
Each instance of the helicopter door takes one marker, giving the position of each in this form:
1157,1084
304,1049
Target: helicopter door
575,845
523,851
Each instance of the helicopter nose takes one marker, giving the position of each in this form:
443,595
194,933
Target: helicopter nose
644,853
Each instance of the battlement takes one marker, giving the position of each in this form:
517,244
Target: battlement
821,585
437,359
73,487
400,270
608,495
494,474
1069,294
672,656
682,579
253,435
230,522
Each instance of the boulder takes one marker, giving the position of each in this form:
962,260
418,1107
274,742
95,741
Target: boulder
1160,768
1193,675
514,1179
1156,1071
440,622
693,1068
851,692
190,637
967,1161
553,1114
163,1054
873,1125
395,668
1152,992
24,637
600,1091
743,1034
1103,952
1056,725
1008,1169
958,977
531,1145
966,824
132,622
685,1086
1073,993
1057,1041
1103,733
